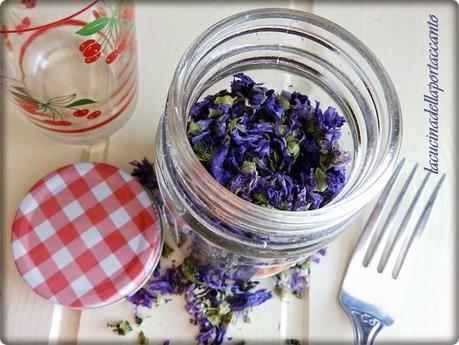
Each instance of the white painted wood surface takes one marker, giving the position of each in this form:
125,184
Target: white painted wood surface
164,30
396,33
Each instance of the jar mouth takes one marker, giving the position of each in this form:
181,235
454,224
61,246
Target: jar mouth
49,24
350,200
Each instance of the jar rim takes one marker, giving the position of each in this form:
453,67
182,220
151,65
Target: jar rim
346,204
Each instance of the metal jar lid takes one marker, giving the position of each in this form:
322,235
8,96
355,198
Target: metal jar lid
86,235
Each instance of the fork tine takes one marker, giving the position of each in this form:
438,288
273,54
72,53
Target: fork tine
415,236
390,245
376,240
372,221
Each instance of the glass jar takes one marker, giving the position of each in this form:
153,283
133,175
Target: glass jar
286,50
70,67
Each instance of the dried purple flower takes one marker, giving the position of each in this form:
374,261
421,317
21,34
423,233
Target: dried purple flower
215,296
272,150
297,278
142,298
145,173
242,83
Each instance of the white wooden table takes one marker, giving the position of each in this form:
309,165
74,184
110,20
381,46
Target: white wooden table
397,34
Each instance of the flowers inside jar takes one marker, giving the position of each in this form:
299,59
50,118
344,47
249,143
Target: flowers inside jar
277,150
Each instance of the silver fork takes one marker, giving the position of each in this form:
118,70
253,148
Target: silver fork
371,291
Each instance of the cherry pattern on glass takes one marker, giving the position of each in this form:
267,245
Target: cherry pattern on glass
113,33
29,3
52,110
24,23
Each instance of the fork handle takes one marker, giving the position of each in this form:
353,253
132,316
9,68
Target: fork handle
366,327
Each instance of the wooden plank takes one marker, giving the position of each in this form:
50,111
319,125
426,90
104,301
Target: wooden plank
397,33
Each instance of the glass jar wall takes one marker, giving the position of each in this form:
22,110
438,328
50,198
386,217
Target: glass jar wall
292,51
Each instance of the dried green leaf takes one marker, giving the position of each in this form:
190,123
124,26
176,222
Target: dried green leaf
143,340
167,250
321,179
194,128
228,100
120,328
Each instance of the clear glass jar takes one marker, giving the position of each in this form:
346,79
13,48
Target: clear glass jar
287,50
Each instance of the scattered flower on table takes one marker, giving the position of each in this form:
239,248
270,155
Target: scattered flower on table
213,298
120,328
143,340
297,278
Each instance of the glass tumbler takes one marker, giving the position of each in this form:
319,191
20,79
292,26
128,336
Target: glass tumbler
70,66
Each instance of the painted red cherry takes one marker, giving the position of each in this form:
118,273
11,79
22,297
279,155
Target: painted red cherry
4,31
112,56
96,14
57,122
92,49
9,45
29,3
94,115
28,107
26,21
123,43
19,27
91,59
81,113
86,44
63,123
127,14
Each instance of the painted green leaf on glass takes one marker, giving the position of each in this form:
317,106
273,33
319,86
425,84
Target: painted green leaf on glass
21,90
83,101
26,98
93,27
62,99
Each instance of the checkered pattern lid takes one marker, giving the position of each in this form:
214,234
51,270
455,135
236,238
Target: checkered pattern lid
86,235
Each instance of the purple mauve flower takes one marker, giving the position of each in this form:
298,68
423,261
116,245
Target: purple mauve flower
271,105
142,298
200,137
242,83
262,127
201,109
299,281
335,180
144,173
238,182
286,138
256,97
243,301
298,99
216,168
206,287
205,123
331,119
171,282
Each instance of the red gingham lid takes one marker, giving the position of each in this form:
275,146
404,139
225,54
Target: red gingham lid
86,235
